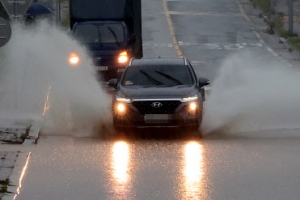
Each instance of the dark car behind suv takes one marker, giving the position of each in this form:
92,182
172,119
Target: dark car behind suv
158,93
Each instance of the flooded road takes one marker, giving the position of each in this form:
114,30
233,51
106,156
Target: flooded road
231,168
250,149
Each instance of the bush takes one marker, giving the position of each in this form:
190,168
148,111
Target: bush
264,5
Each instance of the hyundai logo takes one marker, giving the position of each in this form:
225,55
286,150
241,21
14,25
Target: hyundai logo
98,58
156,104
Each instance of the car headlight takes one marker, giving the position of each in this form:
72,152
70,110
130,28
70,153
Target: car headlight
74,59
193,107
192,104
120,108
120,105
191,98
123,57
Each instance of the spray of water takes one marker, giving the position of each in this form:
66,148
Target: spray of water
36,81
253,94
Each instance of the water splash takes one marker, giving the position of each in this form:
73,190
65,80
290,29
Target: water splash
37,81
252,94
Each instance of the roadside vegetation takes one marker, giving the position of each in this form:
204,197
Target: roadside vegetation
65,21
3,186
276,23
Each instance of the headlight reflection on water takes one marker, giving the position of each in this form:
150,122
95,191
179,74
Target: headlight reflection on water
193,171
120,167
120,162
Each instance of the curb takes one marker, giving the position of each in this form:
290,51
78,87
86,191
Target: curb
15,179
33,134
21,161
16,131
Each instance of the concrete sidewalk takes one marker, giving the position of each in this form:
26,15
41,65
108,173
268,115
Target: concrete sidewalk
13,163
12,168
276,46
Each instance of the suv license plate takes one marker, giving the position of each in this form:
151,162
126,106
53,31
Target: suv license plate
157,118
101,68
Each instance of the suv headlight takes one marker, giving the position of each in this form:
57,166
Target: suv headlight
192,104
120,106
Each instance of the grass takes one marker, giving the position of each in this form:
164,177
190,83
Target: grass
276,23
3,189
295,41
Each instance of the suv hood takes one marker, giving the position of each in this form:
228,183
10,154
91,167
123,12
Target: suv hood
142,92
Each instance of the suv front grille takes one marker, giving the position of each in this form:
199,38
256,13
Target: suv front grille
146,107
107,61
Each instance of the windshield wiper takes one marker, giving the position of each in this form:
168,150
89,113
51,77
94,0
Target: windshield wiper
169,77
150,78
114,34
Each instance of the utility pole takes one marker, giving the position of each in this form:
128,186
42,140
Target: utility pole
291,17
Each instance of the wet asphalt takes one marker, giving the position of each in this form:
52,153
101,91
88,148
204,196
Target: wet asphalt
169,165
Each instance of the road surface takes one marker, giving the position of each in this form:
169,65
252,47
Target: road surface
260,163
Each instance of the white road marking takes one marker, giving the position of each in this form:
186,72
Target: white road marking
170,24
196,62
204,46
272,52
205,13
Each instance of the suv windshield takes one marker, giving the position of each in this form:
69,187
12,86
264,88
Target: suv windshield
158,75
97,33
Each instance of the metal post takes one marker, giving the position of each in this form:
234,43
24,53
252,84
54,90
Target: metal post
15,3
59,18
57,12
291,17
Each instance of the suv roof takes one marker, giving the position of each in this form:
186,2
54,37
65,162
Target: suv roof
158,61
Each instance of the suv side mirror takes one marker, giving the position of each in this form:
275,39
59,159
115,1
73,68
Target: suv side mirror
113,83
203,82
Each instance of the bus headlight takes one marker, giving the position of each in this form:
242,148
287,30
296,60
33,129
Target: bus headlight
123,57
